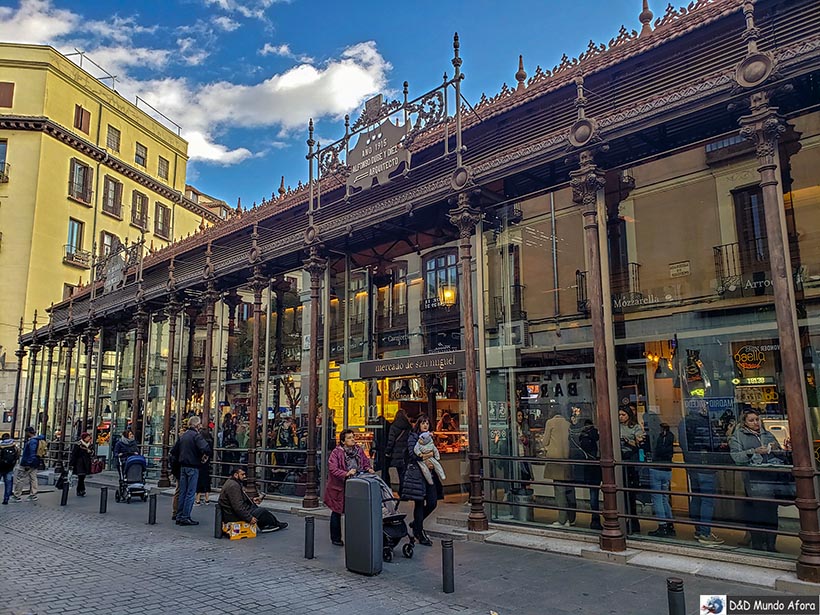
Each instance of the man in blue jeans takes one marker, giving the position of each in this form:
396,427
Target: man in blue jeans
189,452
697,443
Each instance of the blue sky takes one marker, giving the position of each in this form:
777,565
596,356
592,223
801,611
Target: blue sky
243,77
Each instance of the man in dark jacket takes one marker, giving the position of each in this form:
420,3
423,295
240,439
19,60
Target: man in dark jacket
697,442
237,505
396,448
8,459
190,451
29,464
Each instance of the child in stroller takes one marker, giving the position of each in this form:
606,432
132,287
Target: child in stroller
394,529
132,470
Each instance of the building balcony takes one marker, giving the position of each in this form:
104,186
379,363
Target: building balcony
582,300
626,282
433,309
4,172
743,269
77,258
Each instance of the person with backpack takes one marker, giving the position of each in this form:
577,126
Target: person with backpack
8,459
34,451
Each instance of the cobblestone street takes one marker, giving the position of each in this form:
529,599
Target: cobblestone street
73,560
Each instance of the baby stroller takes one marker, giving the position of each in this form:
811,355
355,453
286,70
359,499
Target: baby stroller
132,478
394,529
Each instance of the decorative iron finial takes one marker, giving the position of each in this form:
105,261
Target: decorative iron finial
253,256
282,187
34,323
456,58
208,272
752,32
172,281
51,320
310,141
20,332
202,223
239,205
521,75
580,99
646,19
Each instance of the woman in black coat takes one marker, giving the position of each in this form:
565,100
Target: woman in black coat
424,495
203,482
396,447
80,461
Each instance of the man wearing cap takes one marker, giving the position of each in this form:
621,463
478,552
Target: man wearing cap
80,461
29,464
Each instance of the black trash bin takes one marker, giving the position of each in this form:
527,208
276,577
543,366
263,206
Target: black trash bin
363,525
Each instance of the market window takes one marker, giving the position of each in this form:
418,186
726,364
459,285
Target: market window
82,118
141,155
79,181
750,222
139,210
112,197
162,168
108,243
441,280
113,139
162,221
6,94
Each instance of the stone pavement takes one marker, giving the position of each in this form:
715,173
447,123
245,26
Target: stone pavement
73,559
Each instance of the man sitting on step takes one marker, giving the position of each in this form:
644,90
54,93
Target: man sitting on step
237,505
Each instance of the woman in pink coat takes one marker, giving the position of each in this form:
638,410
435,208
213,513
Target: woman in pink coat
345,460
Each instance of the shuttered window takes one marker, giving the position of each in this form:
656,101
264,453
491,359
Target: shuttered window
82,118
6,94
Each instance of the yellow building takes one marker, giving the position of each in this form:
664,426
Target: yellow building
80,168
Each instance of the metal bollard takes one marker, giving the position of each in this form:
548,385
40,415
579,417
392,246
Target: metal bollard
447,574
64,496
152,509
217,521
674,594
103,499
309,531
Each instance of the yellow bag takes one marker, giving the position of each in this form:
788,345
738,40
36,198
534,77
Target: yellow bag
237,530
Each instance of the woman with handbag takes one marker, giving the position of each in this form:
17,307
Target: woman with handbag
752,445
80,461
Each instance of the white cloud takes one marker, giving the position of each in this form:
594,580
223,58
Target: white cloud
283,101
36,21
284,51
225,23
254,8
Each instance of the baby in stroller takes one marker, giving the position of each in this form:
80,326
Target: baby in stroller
426,445
394,528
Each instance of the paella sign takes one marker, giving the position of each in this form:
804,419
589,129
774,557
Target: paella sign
378,153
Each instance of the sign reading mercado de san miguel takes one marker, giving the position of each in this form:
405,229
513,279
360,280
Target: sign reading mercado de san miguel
379,151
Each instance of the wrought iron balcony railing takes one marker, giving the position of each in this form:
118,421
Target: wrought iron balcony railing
4,172
516,305
581,291
626,282
77,257
742,267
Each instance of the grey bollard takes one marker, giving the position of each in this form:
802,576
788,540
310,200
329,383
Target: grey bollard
217,521
674,593
103,499
447,573
152,509
309,531
64,496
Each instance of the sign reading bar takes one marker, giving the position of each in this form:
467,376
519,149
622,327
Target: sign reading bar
410,366
377,154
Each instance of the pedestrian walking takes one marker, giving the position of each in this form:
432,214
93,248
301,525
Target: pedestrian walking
203,483
80,461
190,451
9,454
33,452
395,451
425,495
344,461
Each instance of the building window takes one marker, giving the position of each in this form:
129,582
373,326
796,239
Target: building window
162,168
108,243
141,155
74,253
112,197
162,221
441,280
113,139
68,290
753,248
4,167
82,118
139,210
79,181
6,94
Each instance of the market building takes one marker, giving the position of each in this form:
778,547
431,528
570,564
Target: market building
81,171
595,282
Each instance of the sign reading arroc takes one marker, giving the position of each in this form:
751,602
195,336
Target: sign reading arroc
377,154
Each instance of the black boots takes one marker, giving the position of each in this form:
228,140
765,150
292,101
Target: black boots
665,530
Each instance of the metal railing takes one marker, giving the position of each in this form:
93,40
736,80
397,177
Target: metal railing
516,303
5,168
75,256
582,301
627,281
736,266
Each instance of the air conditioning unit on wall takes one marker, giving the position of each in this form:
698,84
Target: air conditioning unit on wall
516,333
